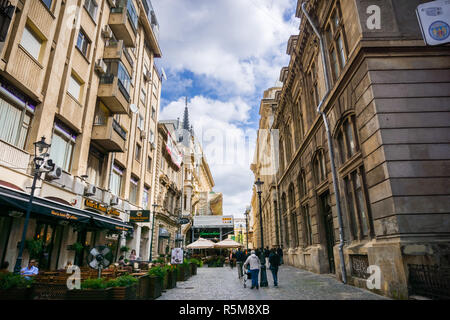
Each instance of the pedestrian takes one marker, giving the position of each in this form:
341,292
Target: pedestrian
274,260
231,259
240,259
254,263
133,255
266,255
280,253
30,271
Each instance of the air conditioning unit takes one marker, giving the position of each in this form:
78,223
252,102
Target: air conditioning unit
56,173
147,75
90,190
107,32
114,200
48,165
100,66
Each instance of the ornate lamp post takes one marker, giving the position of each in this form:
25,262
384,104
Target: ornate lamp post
40,151
247,212
153,230
263,282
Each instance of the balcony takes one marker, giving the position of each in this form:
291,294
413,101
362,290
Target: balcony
113,94
123,22
116,50
110,135
151,26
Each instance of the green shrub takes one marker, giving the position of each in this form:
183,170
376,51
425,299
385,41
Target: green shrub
124,249
198,262
159,272
123,281
11,280
93,284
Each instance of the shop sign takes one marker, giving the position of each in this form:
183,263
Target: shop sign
434,21
101,208
64,215
140,216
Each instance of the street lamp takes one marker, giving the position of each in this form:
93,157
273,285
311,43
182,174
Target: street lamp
247,212
153,230
40,150
263,282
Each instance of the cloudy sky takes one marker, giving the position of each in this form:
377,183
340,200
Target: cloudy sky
223,54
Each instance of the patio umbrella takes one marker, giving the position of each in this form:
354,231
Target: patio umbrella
228,244
201,244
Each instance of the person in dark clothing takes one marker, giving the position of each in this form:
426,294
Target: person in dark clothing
240,259
274,261
280,254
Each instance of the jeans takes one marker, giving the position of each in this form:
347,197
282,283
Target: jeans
254,273
274,275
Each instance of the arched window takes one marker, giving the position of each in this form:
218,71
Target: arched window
288,144
319,167
347,140
291,197
283,203
281,147
302,188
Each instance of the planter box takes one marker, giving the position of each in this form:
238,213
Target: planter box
156,285
166,281
181,275
172,279
143,288
123,293
90,294
49,291
16,294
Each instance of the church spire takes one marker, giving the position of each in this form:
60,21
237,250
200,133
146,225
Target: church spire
186,125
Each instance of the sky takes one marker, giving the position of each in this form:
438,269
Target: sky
222,55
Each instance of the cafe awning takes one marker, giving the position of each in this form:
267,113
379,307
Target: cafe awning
18,200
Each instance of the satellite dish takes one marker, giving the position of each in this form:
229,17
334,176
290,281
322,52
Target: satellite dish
134,108
100,258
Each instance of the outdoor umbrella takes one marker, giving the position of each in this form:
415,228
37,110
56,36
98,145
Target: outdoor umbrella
228,244
201,244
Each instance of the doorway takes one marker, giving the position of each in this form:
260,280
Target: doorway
327,215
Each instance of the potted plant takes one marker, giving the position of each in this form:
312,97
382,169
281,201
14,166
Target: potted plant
157,275
91,289
124,249
171,276
34,247
77,247
14,287
123,288
194,263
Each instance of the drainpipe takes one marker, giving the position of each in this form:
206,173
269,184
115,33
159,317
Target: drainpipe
330,145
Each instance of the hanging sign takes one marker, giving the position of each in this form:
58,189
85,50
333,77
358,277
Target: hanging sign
140,216
177,256
434,21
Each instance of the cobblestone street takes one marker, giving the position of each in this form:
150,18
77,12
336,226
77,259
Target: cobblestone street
294,284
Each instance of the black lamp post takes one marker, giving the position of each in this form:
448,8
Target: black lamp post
153,229
263,282
40,150
247,211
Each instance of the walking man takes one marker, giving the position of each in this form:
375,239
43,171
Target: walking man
240,258
254,263
274,260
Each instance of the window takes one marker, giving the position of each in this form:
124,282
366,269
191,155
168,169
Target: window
48,3
124,78
302,189
152,137
335,40
83,43
134,182
140,122
149,164
294,230
116,180
75,87
91,6
356,196
347,141
143,95
281,147
132,15
62,145
94,169
137,154
283,203
291,197
307,223
14,123
145,197
153,113
288,144
319,167
312,82
32,43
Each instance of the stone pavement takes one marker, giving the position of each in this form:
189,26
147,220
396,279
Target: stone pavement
293,284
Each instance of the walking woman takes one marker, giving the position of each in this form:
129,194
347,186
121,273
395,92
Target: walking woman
254,263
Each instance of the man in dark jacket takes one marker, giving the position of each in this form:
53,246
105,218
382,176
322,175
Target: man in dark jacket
274,261
280,254
240,259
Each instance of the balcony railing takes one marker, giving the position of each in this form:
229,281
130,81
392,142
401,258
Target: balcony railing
113,94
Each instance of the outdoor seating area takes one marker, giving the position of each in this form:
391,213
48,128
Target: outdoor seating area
147,282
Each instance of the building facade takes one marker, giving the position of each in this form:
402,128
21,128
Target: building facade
387,110
82,74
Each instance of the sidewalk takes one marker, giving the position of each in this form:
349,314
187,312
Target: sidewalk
294,284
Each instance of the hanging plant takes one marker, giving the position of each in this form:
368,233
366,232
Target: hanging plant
77,247
124,249
34,247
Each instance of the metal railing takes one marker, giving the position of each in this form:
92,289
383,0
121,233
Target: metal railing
431,281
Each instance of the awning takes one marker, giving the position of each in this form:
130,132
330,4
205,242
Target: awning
18,200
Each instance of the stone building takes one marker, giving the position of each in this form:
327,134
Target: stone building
388,108
82,74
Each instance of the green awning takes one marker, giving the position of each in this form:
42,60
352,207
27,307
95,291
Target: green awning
18,200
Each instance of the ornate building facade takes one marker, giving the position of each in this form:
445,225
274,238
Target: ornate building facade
386,109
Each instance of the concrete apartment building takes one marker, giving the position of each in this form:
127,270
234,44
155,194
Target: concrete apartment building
388,111
81,74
